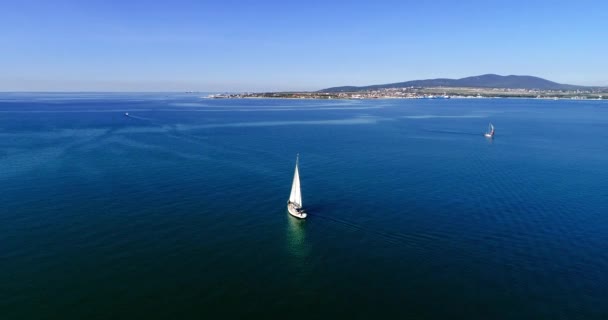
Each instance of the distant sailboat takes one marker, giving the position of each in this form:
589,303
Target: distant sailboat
294,205
126,114
490,133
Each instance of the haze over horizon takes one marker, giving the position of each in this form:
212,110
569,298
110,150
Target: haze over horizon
274,46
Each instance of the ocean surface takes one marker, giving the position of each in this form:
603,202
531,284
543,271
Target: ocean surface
178,211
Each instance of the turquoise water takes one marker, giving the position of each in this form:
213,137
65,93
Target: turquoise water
179,210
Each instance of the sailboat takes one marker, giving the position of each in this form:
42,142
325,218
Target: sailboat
490,133
294,204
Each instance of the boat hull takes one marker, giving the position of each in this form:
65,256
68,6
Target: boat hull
489,135
300,214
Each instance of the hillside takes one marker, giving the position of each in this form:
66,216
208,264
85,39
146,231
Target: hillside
482,81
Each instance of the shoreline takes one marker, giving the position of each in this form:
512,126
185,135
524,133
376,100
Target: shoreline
409,98
426,93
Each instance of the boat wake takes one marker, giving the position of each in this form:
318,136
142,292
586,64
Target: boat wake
455,132
140,118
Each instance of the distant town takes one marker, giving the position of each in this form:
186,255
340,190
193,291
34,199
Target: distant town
430,93
482,86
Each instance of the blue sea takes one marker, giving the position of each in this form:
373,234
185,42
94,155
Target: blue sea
178,211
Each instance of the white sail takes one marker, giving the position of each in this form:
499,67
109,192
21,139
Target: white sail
296,193
490,132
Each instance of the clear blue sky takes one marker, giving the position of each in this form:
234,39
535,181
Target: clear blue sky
293,45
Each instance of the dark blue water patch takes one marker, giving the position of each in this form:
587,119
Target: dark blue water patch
178,210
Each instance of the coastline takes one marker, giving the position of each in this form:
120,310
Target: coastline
425,93
415,98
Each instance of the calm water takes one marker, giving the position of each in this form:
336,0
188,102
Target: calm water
178,211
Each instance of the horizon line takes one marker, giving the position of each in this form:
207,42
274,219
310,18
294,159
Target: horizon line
189,90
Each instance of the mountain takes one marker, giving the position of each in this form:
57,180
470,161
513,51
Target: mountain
482,81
